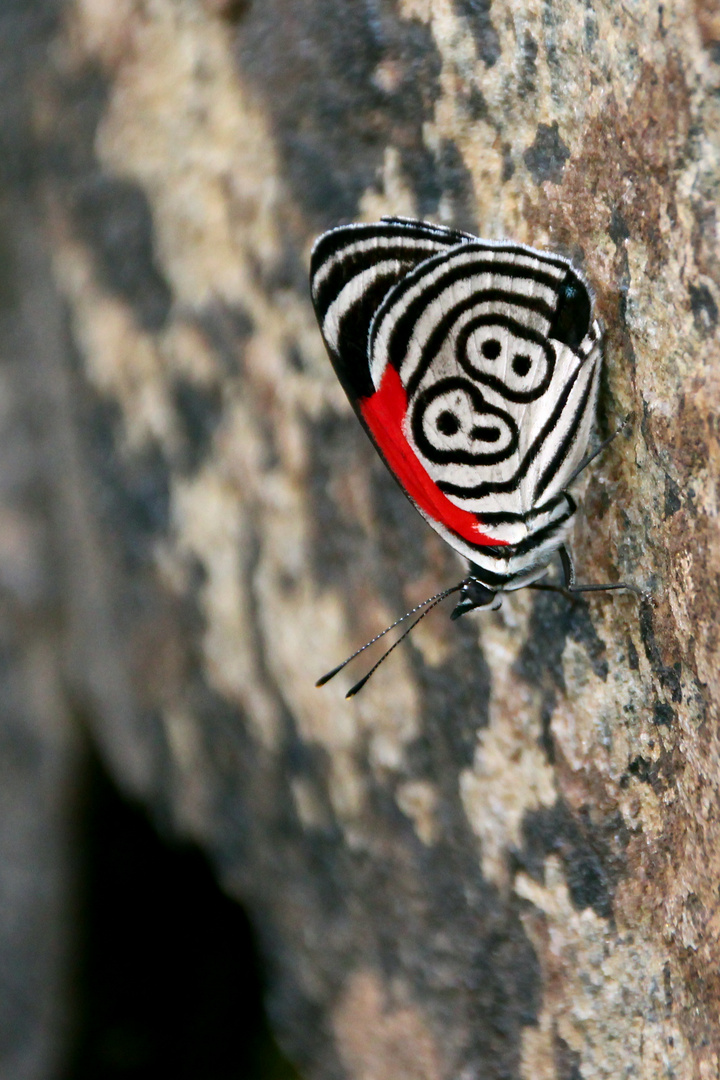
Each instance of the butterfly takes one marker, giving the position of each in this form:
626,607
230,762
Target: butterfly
473,366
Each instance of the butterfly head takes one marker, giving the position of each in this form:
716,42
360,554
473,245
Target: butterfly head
474,596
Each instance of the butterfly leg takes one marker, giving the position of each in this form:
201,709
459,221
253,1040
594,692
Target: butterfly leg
572,587
603,445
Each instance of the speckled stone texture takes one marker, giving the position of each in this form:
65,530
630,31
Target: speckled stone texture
502,859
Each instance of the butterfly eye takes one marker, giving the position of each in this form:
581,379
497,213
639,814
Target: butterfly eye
491,349
521,365
447,423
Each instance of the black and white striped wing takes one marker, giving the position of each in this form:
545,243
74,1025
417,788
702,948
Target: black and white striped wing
352,269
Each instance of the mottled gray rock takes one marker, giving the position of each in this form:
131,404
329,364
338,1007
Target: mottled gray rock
39,751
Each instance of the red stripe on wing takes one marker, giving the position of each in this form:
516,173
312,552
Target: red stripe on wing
384,413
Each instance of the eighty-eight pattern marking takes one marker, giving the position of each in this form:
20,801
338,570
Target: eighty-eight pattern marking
474,366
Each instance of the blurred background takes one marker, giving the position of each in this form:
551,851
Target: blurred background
120,956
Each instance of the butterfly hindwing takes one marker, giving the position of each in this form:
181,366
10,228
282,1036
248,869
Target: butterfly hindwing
497,409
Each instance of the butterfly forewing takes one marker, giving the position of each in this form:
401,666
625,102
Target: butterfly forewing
351,271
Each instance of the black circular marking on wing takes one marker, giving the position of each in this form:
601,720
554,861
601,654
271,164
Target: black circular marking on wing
447,423
491,349
532,344
486,425
521,365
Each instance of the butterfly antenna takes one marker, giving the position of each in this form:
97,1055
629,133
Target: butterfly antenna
359,685
430,600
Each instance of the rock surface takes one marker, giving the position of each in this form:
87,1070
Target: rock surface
501,859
